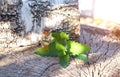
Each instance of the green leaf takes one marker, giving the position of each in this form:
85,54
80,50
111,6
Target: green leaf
60,36
64,36
64,60
76,48
42,51
61,48
82,57
49,50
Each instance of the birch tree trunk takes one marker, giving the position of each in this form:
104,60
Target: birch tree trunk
22,22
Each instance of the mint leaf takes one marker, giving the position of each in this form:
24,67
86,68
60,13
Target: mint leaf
42,51
64,36
76,48
61,48
49,50
60,36
82,57
64,60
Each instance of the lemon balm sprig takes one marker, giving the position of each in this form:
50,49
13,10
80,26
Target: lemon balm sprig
64,48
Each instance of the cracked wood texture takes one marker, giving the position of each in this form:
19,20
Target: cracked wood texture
104,59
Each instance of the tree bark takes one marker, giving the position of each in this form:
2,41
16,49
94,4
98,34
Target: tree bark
104,59
22,22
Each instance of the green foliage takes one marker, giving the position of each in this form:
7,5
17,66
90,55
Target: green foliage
82,57
49,50
64,59
63,48
76,48
60,37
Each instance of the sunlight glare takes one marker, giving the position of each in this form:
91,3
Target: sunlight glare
107,10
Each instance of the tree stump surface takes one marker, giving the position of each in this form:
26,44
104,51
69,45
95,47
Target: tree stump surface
104,59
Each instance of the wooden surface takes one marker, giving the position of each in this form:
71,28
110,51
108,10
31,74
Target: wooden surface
104,56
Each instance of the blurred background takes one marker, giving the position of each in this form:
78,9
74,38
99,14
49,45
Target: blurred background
100,12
